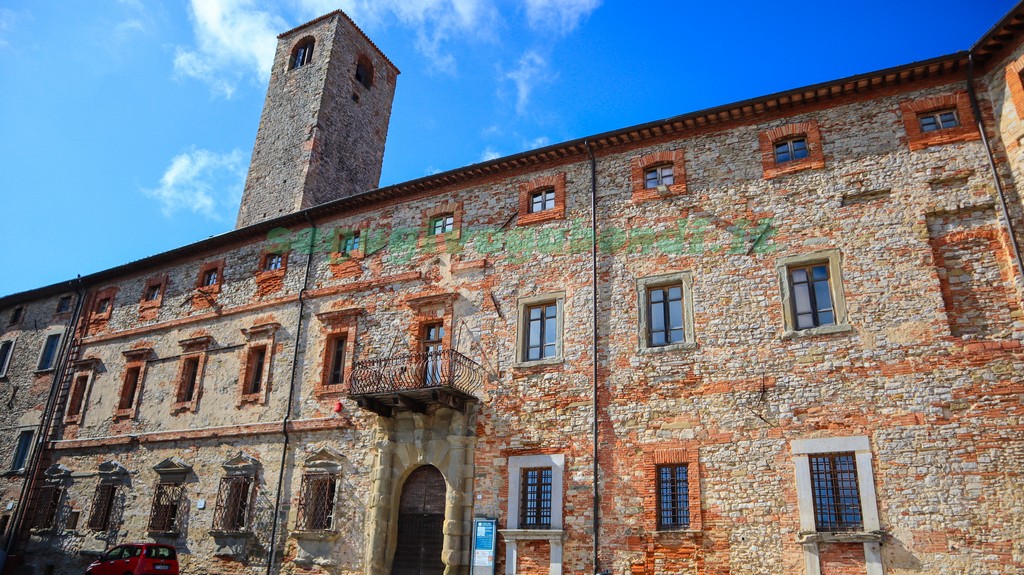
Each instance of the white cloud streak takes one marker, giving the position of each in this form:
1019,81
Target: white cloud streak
201,182
7,18
558,15
531,71
234,40
489,154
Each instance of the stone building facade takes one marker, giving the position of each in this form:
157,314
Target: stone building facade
778,336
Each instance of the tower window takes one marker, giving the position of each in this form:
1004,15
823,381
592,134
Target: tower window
302,54
364,72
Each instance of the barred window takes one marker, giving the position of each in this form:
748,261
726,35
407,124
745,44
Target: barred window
535,500
102,505
163,517
673,497
316,502
836,494
233,504
47,502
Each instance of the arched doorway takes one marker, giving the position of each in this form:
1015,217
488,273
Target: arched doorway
420,524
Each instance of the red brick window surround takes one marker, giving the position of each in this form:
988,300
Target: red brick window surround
669,175
190,373
666,471
211,276
131,383
428,237
84,372
958,102
804,138
102,307
1015,83
338,329
542,199
271,271
152,297
254,378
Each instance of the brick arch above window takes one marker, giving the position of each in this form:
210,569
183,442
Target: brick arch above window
638,169
911,111
811,135
429,240
555,182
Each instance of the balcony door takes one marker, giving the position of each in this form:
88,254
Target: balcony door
430,346
420,524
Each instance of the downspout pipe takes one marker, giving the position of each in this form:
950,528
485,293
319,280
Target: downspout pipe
976,108
593,307
45,423
291,397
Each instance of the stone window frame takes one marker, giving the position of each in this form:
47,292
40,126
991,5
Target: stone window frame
340,234
196,348
513,533
324,461
523,330
639,165
240,466
87,369
428,240
55,482
911,110
6,363
809,537
833,257
555,182
676,453
643,285
256,337
47,336
171,472
303,43
111,476
807,130
134,359
342,323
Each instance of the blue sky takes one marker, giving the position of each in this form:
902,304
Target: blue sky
126,126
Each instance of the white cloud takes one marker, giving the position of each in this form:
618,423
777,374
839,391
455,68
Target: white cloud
531,70
489,154
558,15
538,142
234,40
435,22
202,182
7,18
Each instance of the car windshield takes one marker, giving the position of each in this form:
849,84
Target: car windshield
160,552
114,553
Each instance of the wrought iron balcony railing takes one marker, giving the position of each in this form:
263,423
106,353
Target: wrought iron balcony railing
414,381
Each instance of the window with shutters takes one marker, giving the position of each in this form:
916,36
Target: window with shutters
255,376
46,505
317,502
102,507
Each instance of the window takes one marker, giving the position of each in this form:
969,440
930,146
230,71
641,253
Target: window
152,293
316,502
49,354
5,356
364,72
209,278
542,200
789,150
77,399
659,176
302,54
64,304
17,315
812,296
163,517
941,120
254,371
673,497
665,315
102,505
72,521
22,450
46,504
5,522
129,388
337,350
189,379
442,224
103,306
273,262
541,331
535,499
233,499
348,244
836,495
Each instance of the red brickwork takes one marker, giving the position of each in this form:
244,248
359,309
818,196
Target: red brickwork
967,130
815,155
526,189
639,165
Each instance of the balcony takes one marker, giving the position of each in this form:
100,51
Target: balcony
414,382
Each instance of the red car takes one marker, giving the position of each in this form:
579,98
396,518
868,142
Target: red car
136,559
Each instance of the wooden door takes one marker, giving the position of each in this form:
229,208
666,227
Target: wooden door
420,523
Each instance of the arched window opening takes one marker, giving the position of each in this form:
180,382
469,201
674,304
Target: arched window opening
302,54
364,72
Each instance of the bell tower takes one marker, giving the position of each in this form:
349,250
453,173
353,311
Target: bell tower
324,121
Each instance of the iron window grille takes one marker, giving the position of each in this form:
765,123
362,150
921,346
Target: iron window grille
254,379
836,494
542,200
316,502
665,317
46,504
131,386
940,120
49,352
102,506
535,499
789,150
233,501
811,291
659,176
337,376
541,331
673,497
442,224
163,517
190,379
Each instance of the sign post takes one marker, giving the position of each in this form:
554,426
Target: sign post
484,543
